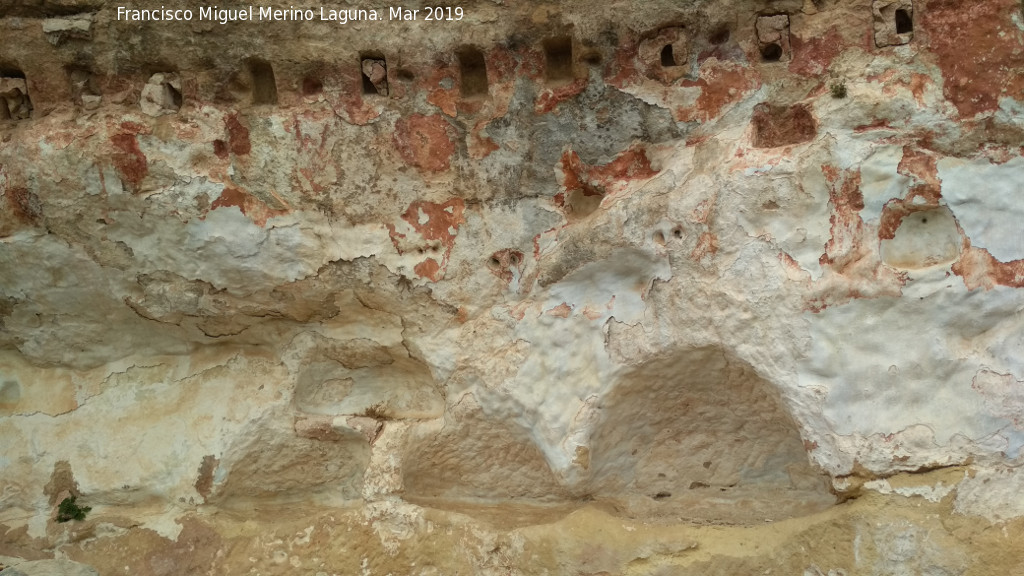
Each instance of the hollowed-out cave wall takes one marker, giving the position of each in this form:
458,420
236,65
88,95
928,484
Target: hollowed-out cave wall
568,288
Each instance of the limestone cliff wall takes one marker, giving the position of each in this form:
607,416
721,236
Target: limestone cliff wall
548,288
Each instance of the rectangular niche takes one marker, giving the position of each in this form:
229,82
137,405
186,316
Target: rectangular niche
14,100
894,22
558,61
773,38
264,86
374,70
472,73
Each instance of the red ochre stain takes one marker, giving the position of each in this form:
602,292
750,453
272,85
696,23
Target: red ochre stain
220,148
24,205
429,268
593,180
979,269
445,99
721,84
846,224
707,245
978,48
128,159
550,98
441,225
622,71
813,56
876,125
776,126
425,141
253,207
238,136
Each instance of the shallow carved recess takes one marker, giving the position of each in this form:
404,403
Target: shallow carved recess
362,377
473,460
698,434
277,467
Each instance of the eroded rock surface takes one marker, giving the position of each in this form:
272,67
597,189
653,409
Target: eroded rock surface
567,288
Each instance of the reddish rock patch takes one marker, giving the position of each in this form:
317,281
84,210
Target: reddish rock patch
876,125
844,246
24,205
923,167
238,136
707,245
436,224
595,180
251,206
446,99
622,71
550,98
813,56
429,268
721,84
776,126
442,221
220,149
978,47
204,481
561,311
425,141
128,159
979,269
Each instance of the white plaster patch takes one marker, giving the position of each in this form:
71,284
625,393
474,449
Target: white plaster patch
613,287
892,364
988,201
993,494
930,493
880,182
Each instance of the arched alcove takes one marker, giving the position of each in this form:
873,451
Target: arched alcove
698,434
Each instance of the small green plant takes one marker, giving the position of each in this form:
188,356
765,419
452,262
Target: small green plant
838,89
68,510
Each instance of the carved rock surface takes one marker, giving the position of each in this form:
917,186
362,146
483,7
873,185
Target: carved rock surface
565,288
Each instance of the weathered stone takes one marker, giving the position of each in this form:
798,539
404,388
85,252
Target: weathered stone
894,22
60,30
161,95
549,289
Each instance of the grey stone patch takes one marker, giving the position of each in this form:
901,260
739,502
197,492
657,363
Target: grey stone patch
50,568
598,124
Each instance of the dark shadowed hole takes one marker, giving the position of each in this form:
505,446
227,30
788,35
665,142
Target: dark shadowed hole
904,23
592,58
558,57
405,75
175,95
264,86
368,86
667,58
311,86
771,53
473,72
719,37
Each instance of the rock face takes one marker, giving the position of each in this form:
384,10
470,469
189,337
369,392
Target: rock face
569,288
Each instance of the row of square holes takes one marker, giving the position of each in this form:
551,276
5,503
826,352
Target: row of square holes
472,67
